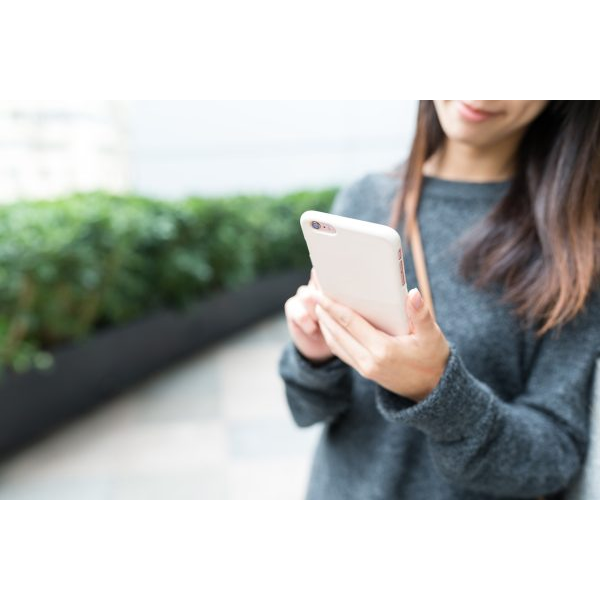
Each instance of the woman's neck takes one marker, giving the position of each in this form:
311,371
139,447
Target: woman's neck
464,162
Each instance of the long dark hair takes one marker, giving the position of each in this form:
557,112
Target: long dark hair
541,242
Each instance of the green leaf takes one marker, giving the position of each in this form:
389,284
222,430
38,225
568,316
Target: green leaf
71,265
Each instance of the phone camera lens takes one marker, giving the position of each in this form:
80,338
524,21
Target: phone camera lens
316,225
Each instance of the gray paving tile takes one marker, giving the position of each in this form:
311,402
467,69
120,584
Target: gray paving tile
187,391
62,488
275,479
202,484
249,384
271,331
214,426
269,439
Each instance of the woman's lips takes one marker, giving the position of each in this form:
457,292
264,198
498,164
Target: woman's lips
475,115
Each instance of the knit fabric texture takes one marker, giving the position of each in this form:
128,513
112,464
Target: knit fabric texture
510,415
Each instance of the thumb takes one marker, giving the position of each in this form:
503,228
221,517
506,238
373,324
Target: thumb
420,315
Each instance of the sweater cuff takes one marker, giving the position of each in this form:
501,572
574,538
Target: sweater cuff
294,366
456,408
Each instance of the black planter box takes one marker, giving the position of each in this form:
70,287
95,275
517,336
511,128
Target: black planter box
91,371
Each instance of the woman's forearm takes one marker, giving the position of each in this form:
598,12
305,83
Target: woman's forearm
480,442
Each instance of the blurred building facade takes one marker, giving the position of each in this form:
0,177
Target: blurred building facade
236,146
51,148
174,148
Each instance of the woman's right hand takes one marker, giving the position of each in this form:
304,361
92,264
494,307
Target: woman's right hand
303,323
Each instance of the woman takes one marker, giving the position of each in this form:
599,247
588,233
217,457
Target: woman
489,399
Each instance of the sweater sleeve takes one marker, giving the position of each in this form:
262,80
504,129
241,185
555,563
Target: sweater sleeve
527,446
315,394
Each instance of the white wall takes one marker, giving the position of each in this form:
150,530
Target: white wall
220,147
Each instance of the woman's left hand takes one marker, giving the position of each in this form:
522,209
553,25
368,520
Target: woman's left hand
409,365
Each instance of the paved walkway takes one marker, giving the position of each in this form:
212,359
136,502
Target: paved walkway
216,426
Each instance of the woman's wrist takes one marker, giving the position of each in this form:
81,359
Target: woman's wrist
315,362
437,372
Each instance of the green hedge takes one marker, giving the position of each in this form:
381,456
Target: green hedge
72,265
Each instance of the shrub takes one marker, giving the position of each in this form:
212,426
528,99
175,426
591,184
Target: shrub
72,265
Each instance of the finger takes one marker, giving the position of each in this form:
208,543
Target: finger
308,297
335,347
297,313
357,353
358,327
296,330
423,322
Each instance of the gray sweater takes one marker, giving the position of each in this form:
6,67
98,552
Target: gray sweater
509,418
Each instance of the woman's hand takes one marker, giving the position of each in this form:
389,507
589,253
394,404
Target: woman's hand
409,365
303,324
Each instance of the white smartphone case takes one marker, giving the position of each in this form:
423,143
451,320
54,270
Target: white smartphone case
359,264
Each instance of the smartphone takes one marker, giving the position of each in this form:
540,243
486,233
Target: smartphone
359,264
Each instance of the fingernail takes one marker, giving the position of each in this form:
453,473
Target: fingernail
416,299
